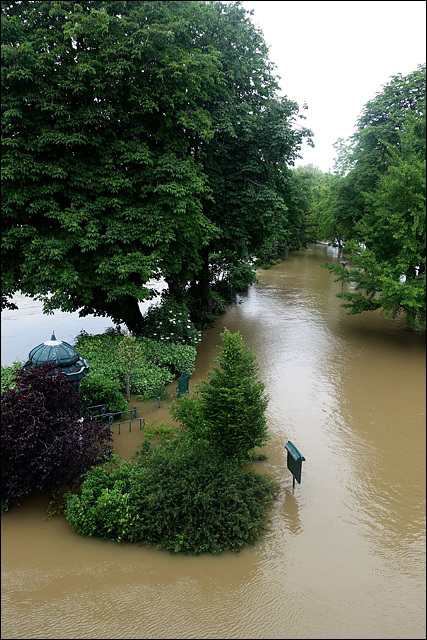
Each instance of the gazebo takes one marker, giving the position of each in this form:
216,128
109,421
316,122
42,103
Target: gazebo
60,353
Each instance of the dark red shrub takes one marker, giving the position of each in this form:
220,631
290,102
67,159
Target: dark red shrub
45,444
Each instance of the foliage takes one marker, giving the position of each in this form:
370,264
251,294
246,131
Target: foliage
203,315
44,442
170,322
230,278
138,137
322,221
367,154
8,375
180,496
379,204
99,152
157,365
97,389
129,355
229,409
389,271
162,431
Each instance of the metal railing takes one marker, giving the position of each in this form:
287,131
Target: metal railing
130,422
109,416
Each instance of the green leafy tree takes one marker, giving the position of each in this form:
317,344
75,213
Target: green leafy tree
367,155
229,409
130,354
138,138
390,268
101,192
322,221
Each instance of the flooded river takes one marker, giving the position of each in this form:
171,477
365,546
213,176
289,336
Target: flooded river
345,553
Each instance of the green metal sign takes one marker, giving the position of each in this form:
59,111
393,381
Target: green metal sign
182,387
294,463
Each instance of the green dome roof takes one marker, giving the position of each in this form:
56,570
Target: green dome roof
60,353
53,350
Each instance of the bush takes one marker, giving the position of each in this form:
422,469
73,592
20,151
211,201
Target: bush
170,322
149,381
8,375
107,506
96,389
176,357
160,362
163,432
45,444
180,496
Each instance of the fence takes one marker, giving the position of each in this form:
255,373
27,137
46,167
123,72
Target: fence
130,422
110,416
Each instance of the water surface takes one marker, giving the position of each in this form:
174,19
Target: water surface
345,553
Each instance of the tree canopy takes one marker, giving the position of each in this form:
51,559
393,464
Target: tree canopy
378,203
139,138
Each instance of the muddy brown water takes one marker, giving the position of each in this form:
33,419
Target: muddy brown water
345,553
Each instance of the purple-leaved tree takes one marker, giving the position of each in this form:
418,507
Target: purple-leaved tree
45,445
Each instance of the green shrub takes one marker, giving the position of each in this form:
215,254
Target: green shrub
170,322
107,506
159,364
163,432
176,357
149,380
8,375
180,496
96,389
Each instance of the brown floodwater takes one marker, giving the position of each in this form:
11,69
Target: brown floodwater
344,556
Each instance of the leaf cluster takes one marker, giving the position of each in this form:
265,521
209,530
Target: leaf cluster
153,365
8,375
48,439
228,410
170,323
181,497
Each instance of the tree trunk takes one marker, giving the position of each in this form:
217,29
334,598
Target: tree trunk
201,290
126,310
174,289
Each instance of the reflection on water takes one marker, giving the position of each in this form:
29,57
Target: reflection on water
290,514
344,556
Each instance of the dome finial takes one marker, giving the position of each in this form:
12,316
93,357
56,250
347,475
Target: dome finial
53,335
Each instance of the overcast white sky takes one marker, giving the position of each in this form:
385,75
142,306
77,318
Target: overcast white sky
335,56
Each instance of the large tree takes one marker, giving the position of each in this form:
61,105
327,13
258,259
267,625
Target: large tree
389,269
386,175
367,155
134,134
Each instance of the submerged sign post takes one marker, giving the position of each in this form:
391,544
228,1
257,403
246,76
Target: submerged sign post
295,460
182,387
